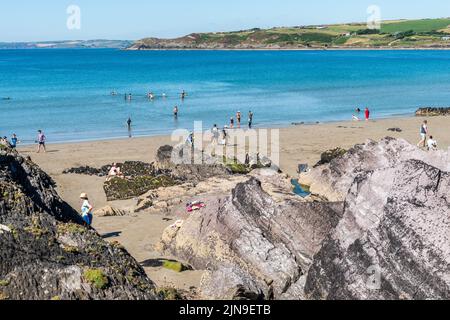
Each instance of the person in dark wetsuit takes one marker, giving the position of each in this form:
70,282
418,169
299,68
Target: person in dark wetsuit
129,122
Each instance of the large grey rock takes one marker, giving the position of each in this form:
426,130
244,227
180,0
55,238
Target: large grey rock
393,241
273,242
334,179
45,251
388,240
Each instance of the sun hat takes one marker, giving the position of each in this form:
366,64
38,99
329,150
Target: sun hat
83,196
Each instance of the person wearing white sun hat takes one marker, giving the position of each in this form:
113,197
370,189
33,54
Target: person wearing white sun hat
86,209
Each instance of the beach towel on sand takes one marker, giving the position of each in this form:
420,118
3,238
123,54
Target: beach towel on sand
196,205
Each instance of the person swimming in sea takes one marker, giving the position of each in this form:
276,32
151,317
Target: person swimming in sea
183,95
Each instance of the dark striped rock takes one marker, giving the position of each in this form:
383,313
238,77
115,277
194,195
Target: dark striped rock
46,253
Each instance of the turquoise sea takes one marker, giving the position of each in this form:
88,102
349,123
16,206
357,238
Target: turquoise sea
67,92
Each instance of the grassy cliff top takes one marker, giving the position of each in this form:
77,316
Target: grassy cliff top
426,33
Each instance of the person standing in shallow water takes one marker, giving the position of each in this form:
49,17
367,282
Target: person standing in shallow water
238,117
129,122
175,112
250,119
86,209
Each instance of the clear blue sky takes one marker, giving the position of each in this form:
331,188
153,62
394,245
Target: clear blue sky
31,20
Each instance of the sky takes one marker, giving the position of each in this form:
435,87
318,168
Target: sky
43,20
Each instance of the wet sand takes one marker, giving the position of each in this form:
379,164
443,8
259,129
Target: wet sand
139,232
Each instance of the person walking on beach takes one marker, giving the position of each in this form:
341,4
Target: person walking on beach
215,132
250,119
175,112
224,135
129,122
86,210
14,141
238,118
367,114
232,123
41,139
423,134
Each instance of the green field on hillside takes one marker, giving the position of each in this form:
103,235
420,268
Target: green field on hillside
427,25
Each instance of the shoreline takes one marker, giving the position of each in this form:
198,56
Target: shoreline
340,134
256,127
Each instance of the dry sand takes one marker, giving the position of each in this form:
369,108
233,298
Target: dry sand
138,233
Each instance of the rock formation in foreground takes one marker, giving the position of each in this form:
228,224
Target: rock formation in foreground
46,252
385,237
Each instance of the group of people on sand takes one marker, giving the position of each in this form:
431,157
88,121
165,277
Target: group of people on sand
14,141
11,143
426,140
357,116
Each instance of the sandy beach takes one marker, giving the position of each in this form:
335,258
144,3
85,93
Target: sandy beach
139,232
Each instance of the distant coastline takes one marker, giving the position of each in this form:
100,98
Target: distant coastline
424,34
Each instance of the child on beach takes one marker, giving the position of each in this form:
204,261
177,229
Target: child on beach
423,134
432,144
86,209
41,138
14,141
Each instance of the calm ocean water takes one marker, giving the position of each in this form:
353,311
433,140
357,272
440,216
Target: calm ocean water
67,92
